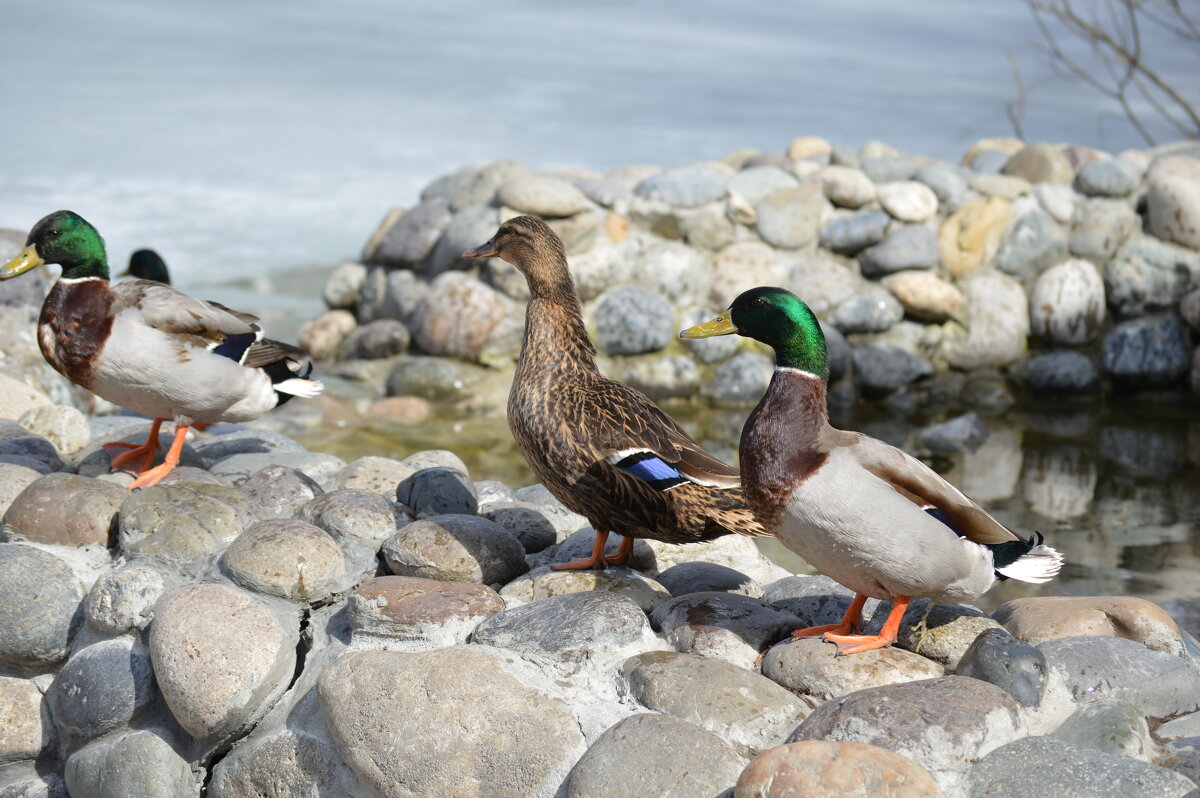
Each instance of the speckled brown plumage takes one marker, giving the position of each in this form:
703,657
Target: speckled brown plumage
568,419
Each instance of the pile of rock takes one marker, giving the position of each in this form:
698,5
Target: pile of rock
1061,268
269,621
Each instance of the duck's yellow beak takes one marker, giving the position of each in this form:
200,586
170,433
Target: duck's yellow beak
721,325
26,259
487,250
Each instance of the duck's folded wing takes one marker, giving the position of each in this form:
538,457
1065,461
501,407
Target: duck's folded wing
924,487
175,313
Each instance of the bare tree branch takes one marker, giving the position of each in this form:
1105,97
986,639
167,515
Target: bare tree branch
1016,108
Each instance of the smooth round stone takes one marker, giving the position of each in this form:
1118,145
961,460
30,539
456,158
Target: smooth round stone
1006,187
235,470
950,629
1173,199
910,247
456,316
378,339
101,688
1057,200
741,379
532,528
357,516
741,707
789,218
435,458
1062,374
542,195
812,667
654,755
1032,243
396,298
1067,304
494,733
182,522
376,474
1038,619
221,658
1115,727
837,352
67,510
407,607
877,149
851,234
631,321
963,433
484,182
32,447
286,558
881,369
874,310
997,657
924,295
740,267
436,379
1041,163
685,186
846,187
23,733
757,182
1146,273
447,185
124,598
672,270
17,398
1149,352
1113,177
280,491
39,606
455,548
970,237
604,191
470,226
807,147
322,337
823,281
888,168
1039,766
245,441
999,314
405,239
542,583
814,600
704,577
908,200
722,625
288,764
673,376
990,162
65,427
813,766
14,478
1100,226
343,284
438,491
137,763
947,183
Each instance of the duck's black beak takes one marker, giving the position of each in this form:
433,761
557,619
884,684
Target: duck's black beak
487,250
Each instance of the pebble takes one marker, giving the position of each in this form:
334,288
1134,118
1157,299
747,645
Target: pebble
604,191
703,577
908,200
286,558
182,523
656,755
669,377
1057,200
245,441
1149,352
65,427
685,186
724,626
378,339
39,607
33,447
673,271
851,234
631,321
354,517
482,185
1038,619
1066,305
101,688
1041,766
757,182
24,728
323,336
543,582
221,658
290,764
790,218
808,147
924,295
741,379
963,433
846,187
873,310
737,268
1173,199
947,182
995,656
1112,177
888,168
1147,274
343,285
1041,163
813,766
14,478
882,369
437,379
532,528
137,763
1114,727
279,491
712,226
237,469
1100,226
1032,243
455,548
837,352
998,314
438,491
376,474
409,608
970,237
470,226
1062,374
66,510
19,398
542,195
124,598
811,667
456,316
990,162
405,241
493,732
911,246
822,282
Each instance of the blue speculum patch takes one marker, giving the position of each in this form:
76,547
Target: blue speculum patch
651,469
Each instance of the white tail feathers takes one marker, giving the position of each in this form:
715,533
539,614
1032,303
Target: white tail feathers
1040,564
298,386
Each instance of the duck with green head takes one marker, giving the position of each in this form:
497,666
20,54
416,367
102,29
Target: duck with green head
147,264
866,514
149,348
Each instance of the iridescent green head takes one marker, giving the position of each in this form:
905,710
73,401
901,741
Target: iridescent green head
148,265
63,237
779,319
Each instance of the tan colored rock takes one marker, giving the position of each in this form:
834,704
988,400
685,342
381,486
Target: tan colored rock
997,313
544,583
811,666
1041,163
1007,187
404,409
617,227
821,282
456,316
1173,199
66,509
846,187
808,146
740,267
847,769
17,398
286,558
542,195
908,200
925,295
390,605
22,734
1008,146
1036,620
1066,304
969,238
322,336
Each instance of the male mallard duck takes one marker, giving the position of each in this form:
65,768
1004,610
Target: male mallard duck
147,347
147,265
602,448
866,514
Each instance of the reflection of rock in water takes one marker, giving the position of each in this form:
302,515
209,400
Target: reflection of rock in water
992,471
1135,514
1142,452
1059,483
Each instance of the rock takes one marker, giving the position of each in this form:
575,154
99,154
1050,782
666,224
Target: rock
740,267
448,185
710,227
654,755
1062,374
960,434
1186,726
436,379
237,469
1066,304
1099,227
406,240
376,474
970,237
183,522
378,339
924,295
124,598
1060,483
19,398
808,147
65,427
873,310
851,234
1173,199
470,226
343,284
605,192
722,625
408,608
757,182
542,583
888,169
457,315
25,729
323,336
400,409
15,478
790,218
401,292
998,314
1036,620
495,736
811,667
455,548
881,369
947,183
811,767
1033,242
482,185
685,186
1039,766
846,187
532,528
245,441
66,510
286,558
671,270
673,376
1041,163
997,657
910,247
704,577
823,282
438,491
1150,352
941,724
353,517
287,764
877,149
539,498
221,659
137,763
837,352
1113,177
542,195
908,200
1146,273
39,607
1113,727
630,321
742,378
280,491
101,688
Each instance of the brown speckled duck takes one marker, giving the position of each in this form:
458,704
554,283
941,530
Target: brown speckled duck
602,448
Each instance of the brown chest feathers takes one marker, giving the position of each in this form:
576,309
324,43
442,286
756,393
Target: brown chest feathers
75,323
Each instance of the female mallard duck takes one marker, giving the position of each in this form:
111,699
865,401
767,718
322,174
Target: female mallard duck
147,265
149,348
866,514
602,448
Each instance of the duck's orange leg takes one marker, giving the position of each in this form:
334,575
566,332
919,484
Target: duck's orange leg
853,644
851,621
623,554
168,464
597,560
145,451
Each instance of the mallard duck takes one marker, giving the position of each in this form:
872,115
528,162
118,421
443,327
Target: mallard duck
602,448
149,348
864,513
147,265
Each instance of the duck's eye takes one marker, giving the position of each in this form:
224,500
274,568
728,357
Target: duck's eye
758,302
55,233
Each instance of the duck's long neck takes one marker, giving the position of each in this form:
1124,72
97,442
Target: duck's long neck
554,321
